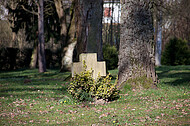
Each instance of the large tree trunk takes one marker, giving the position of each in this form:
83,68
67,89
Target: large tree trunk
136,53
41,43
89,26
60,8
70,45
67,33
62,19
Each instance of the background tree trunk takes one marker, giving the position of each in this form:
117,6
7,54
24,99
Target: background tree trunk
60,8
67,59
136,53
157,16
89,26
62,18
67,32
34,56
41,43
158,50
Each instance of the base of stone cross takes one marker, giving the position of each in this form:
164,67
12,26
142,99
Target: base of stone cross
91,63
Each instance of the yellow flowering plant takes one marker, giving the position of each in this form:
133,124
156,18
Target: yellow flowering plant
84,88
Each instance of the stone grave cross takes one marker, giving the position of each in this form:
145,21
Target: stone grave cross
91,63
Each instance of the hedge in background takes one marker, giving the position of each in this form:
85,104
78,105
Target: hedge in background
13,58
110,54
177,52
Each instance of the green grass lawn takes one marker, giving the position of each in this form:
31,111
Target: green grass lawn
30,98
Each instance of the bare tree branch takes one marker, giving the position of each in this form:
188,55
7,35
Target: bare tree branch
36,2
49,1
32,12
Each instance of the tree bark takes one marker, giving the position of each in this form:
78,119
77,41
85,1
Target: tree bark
41,43
67,33
89,27
62,19
70,43
136,52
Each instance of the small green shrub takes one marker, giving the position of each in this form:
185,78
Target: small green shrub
110,54
176,52
105,89
84,88
81,85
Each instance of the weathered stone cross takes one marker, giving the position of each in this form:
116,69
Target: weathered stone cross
91,63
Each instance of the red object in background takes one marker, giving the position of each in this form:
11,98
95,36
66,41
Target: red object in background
107,12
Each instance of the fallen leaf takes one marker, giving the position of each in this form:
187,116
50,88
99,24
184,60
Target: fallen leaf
51,107
162,114
156,120
103,115
158,117
31,121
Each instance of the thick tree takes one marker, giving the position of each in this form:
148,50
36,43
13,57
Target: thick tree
69,47
65,11
60,8
88,16
136,52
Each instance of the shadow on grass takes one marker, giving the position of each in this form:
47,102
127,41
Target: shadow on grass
27,82
63,89
174,75
21,73
32,73
34,92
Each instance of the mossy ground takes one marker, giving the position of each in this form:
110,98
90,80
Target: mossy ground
138,83
30,98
